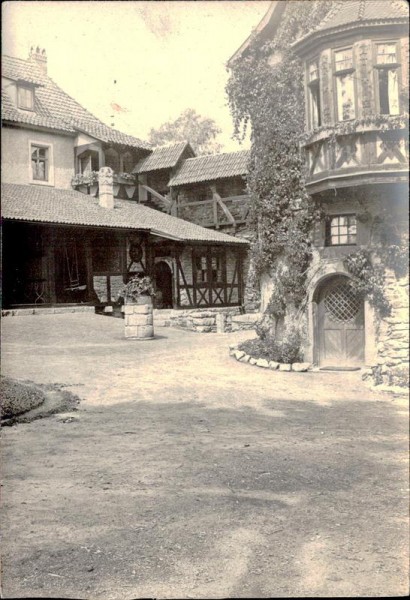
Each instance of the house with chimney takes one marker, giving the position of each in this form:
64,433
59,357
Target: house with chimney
85,207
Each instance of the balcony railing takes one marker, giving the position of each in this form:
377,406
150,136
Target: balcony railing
368,155
87,183
217,212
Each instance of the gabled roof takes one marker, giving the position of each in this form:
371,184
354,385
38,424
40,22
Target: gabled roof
164,157
265,29
212,167
49,205
56,109
350,14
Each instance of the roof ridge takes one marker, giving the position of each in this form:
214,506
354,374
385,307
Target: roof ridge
217,154
65,109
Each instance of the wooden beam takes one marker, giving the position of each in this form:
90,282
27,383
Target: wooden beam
226,210
156,194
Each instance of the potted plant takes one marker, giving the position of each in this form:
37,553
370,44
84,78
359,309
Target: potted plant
138,294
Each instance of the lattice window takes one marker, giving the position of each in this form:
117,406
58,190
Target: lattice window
341,230
342,304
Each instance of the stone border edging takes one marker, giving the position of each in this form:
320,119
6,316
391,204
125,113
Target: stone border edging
241,356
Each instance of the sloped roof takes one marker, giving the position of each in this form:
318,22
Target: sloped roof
50,205
348,14
209,168
164,157
56,109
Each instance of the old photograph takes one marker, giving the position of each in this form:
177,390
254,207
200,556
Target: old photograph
205,299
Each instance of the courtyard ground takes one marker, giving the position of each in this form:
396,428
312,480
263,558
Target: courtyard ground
185,474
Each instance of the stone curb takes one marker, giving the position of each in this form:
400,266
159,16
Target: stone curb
262,363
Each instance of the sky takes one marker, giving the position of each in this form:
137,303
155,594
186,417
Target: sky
152,58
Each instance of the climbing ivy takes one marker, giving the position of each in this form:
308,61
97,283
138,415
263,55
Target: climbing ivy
265,93
265,90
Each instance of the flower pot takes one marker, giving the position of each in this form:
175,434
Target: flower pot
83,189
139,324
116,189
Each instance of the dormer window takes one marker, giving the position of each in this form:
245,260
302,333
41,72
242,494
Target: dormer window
345,97
314,94
387,78
25,97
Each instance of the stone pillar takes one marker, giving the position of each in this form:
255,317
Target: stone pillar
220,323
139,319
105,188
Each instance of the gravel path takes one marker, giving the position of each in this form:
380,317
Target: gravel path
187,474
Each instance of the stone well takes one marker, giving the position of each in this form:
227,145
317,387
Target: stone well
139,319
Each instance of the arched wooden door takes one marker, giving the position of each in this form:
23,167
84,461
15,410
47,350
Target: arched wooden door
340,325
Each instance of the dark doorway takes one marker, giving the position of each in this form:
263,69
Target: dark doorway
163,281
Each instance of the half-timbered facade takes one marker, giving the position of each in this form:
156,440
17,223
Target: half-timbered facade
78,217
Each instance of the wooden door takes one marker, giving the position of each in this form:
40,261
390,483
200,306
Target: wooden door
340,325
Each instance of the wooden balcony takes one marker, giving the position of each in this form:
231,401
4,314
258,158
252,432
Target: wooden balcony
366,156
217,212
124,185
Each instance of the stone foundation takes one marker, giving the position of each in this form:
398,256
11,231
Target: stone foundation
392,366
50,310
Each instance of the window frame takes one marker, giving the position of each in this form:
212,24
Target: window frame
27,88
377,67
314,84
328,230
339,73
32,144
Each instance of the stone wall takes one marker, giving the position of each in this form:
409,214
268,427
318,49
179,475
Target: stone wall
392,334
206,320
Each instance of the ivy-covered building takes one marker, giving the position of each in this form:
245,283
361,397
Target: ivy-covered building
352,309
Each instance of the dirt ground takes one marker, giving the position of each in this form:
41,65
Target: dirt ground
185,474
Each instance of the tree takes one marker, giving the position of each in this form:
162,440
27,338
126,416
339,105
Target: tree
200,131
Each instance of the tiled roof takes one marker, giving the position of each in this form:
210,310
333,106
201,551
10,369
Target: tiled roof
209,168
49,205
56,109
164,157
351,13
12,114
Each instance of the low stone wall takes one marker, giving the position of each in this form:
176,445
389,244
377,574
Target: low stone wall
206,320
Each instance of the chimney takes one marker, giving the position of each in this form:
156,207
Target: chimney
105,188
39,56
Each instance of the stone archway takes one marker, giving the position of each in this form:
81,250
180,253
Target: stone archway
340,326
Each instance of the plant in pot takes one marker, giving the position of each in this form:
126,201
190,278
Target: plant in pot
138,294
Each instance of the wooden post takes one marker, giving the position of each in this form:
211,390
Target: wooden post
149,258
89,267
142,192
51,265
240,256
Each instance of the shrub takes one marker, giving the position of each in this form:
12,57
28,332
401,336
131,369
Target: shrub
18,398
287,350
